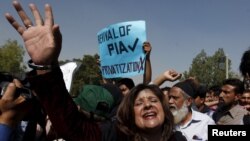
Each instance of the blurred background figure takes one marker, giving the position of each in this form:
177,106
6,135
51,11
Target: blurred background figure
165,91
212,97
245,100
199,100
245,72
125,85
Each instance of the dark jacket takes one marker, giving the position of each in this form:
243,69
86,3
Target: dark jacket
67,121
61,109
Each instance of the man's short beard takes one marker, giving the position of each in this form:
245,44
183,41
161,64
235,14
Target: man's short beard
180,114
223,107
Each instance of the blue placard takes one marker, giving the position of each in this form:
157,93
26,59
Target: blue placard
121,51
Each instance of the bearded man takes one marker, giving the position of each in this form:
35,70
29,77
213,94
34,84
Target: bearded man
192,124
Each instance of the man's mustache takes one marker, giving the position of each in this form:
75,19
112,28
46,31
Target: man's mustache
172,107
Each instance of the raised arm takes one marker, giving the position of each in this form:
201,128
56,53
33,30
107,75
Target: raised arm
148,70
168,75
43,43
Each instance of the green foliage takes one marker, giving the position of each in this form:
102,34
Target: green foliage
88,73
11,57
210,70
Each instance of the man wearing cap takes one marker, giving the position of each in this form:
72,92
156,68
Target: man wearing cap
192,124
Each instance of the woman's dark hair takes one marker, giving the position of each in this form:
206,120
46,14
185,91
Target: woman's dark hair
245,63
126,117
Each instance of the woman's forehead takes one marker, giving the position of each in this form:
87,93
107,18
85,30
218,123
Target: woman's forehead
146,93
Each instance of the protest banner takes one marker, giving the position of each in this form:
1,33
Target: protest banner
120,47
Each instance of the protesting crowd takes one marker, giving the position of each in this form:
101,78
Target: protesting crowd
120,111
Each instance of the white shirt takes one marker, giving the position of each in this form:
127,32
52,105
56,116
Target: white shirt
197,127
